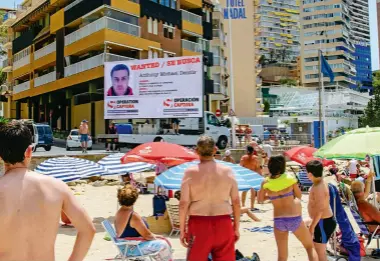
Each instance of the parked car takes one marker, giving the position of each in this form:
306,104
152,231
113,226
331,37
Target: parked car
73,140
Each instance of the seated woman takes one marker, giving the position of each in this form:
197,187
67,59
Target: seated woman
282,189
129,224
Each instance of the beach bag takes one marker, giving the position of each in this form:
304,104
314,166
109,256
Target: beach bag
159,204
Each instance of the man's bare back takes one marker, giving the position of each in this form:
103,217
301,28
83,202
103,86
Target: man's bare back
30,206
210,186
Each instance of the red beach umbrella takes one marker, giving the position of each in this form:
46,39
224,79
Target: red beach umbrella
167,153
304,154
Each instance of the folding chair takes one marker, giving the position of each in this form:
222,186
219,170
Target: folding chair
123,245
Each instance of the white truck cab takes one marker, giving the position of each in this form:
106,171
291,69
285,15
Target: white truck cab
189,128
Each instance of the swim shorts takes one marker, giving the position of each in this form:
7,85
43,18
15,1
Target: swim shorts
211,234
83,137
324,229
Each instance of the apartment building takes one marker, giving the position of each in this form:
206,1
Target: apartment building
340,28
219,72
60,46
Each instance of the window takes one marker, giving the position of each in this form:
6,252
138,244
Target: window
155,26
150,26
168,31
212,120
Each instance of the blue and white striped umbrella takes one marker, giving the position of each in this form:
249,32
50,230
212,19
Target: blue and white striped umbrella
246,179
70,169
114,166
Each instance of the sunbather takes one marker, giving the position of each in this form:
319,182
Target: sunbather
285,195
129,224
368,211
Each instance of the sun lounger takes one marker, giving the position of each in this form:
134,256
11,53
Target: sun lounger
304,181
124,244
172,206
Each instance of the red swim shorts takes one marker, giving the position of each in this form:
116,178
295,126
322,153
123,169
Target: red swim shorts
211,235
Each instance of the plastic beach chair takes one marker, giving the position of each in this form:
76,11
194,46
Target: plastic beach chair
124,244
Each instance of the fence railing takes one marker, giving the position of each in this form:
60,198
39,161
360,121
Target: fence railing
45,51
22,62
84,65
192,18
192,46
44,79
104,22
115,58
21,87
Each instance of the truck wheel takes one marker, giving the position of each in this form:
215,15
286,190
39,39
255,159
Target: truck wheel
35,148
48,148
222,143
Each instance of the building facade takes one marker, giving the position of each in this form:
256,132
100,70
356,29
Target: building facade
59,49
340,29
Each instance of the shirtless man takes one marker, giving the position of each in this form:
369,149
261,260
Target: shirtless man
83,131
208,190
31,205
322,224
250,161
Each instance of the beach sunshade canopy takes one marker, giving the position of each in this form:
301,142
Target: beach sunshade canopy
172,178
355,144
113,165
304,154
168,153
70,169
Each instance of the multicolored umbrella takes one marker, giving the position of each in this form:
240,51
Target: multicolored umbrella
304,154
172,178
168,153
355,144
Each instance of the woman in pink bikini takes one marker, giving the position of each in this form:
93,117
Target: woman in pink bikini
282,189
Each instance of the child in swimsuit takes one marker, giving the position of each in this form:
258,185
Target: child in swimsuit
322,223
282,189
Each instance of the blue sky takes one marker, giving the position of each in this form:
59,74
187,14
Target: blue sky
372,18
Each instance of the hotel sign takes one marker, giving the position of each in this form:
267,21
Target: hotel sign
235,9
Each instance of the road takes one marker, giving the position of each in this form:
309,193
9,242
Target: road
59,149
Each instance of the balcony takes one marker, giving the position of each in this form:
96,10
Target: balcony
25,40
208,59
48,49
207,30
9,18
22,62
7,66
191,22
21,87
100,24
191,46
79,8
93,62
217,88
8,44
44,79
208,85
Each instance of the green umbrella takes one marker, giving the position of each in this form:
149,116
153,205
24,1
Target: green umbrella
355,144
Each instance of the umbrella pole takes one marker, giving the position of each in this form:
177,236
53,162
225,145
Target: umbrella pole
320,99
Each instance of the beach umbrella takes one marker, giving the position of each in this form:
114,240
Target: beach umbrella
113,165
172,178
167,153
70,169
355,144
304,154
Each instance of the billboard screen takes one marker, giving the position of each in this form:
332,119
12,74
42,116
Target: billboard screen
154,88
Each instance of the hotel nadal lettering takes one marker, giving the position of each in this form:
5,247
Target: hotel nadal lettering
235,9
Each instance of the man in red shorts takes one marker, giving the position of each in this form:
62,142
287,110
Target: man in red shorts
206,192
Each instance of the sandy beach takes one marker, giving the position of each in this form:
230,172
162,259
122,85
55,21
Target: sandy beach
101,204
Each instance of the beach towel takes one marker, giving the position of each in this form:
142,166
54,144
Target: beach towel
266,230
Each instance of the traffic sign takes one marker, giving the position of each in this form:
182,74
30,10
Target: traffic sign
232,113
218,113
